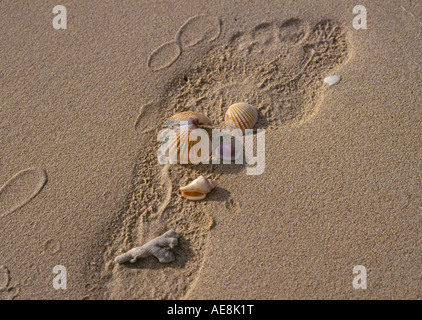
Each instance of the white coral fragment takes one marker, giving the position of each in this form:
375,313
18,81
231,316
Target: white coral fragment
156,247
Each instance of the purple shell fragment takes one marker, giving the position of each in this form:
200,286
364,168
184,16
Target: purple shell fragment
227,152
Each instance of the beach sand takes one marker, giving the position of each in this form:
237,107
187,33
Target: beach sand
80,183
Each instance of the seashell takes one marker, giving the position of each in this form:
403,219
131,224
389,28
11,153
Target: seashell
332,80
198,188
194,119
180,142
227,152
241,116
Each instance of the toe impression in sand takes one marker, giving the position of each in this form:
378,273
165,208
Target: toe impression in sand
156,247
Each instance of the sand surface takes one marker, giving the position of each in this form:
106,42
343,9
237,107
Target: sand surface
80,182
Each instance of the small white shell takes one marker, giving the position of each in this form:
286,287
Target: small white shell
180,141
198,188
241,116
332,80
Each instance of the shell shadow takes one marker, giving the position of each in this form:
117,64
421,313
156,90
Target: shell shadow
219,194
263,121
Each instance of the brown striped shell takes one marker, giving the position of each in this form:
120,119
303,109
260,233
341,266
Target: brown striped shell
241,116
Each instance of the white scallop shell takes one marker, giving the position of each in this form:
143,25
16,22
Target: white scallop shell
241,116
198,188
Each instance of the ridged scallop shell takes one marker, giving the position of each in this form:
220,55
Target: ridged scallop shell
241,116
198,188
180,142
192,118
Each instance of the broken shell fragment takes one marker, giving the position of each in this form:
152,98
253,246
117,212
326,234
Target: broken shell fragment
241,116
332,80
198,188
194,119
227,152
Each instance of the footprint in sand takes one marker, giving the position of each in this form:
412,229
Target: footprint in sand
7,292
197,29
20,189
4,277
279,68
153,209
164,56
